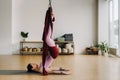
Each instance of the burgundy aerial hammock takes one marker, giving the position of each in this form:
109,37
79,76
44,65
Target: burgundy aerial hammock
50,51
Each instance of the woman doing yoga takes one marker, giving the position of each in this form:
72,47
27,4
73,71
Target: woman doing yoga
50,50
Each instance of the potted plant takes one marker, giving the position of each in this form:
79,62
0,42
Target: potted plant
103,46
24,35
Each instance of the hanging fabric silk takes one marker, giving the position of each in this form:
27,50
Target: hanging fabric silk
47,49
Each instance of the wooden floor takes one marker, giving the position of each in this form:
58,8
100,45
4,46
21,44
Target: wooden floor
83,67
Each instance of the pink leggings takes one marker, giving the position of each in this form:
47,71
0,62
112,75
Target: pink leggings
52,48
50,42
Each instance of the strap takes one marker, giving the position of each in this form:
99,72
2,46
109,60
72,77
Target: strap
50,3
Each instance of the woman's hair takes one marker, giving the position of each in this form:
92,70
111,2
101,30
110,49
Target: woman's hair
29,67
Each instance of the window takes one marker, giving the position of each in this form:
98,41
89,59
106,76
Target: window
114,24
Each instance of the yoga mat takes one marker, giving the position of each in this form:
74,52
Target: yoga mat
16,72
24,72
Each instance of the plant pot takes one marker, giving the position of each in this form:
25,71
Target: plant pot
23,39
106,54
99,52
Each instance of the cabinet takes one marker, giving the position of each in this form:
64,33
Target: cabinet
35,47
92,50
65,47
31,47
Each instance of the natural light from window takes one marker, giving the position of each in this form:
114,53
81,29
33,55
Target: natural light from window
114,29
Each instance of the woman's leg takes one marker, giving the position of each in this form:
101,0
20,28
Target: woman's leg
48,62
50,42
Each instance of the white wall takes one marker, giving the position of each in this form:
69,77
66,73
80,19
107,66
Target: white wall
76,16
103,21
72,16
80,18
28,16
5,27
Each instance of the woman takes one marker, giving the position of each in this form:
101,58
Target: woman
33,67
50,50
